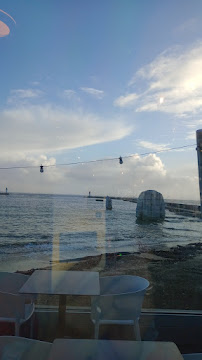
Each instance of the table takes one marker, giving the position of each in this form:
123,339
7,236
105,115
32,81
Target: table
81,349
62,283
20,348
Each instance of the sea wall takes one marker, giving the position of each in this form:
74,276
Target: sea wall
184,209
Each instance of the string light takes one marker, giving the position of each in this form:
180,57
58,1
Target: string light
94,161
120,160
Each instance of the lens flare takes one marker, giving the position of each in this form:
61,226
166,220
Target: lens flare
8,15
4,29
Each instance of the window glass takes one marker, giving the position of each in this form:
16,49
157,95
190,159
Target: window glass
100,144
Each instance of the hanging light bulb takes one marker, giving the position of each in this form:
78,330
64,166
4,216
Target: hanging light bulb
41,169
120,160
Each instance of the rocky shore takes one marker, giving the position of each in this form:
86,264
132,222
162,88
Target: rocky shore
175,275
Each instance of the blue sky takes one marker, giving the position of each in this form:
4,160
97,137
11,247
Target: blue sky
87,80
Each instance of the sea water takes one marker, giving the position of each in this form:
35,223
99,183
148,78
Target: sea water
37,230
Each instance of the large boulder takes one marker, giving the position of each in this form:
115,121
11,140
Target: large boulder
150,206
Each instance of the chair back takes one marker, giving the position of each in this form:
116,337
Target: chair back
12,282
12,306
121,298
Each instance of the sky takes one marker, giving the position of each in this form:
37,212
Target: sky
95,80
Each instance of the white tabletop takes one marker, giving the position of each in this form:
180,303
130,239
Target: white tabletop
73,349
15,348
62,283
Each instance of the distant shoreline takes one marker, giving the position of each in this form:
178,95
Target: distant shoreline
124,198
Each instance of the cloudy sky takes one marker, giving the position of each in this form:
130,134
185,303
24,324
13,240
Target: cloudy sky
92,80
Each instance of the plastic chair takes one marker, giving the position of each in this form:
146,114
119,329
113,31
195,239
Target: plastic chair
14,309
119,302
13,347
12,282
194,356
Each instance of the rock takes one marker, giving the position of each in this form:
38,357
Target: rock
150,206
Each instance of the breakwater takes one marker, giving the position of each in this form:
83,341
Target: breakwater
184,209
178,208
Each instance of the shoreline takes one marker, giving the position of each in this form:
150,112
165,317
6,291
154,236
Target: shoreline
177,253
174,275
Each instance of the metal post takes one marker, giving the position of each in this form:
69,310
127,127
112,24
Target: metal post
199,153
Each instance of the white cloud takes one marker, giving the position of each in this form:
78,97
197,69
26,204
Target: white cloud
26,93
35,83
47,129
191,135
189,25
99,94
138,174
152,146
127,100
192,126
20,95
27,178
174,76
69,93
70,96
135,175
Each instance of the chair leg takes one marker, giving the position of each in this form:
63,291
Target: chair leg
17,329
32,322
97,326
137,330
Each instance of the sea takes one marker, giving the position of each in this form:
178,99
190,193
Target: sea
38,230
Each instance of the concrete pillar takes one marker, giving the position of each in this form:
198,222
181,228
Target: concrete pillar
199,154
108,203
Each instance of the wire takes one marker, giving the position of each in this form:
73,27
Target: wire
99,160
164,150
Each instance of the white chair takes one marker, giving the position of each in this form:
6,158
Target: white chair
13,347
12,282
119,302
194,356
14,309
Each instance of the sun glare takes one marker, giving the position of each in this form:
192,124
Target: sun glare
4,29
